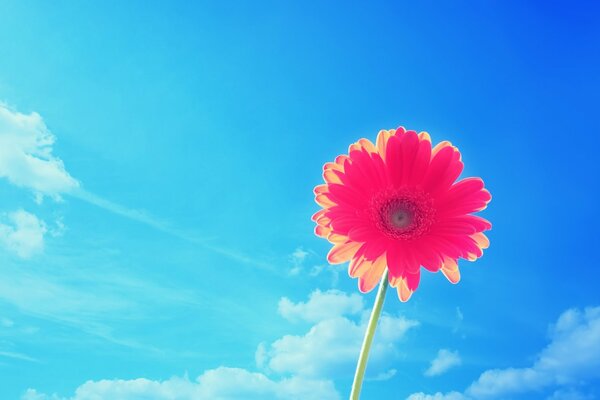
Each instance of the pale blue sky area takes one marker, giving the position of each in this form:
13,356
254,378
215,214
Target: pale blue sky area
161,231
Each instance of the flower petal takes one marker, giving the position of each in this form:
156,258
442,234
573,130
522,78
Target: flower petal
316,215
426,255
482,241
341,160
421,162
358,263
451,271
374,248
320,189
394,160
367,145
382,139
394,262
363,233
404,293
464,197
324,201
345,195
444,169
342,252
410,147
424,136
335,238
343,224
333,166
322,231
412,281
332,176
372,275
367,166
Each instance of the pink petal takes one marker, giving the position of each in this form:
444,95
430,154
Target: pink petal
382,139
421,162
346,196
444,169
372,275
451,271
404,293
342,252
412,281
363,233
410,147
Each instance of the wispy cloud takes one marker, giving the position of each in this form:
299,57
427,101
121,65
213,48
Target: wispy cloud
163,226
18,356
129,213
65,297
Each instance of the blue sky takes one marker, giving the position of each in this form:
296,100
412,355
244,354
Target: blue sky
157,162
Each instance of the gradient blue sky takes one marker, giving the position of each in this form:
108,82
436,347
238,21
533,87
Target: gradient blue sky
196,133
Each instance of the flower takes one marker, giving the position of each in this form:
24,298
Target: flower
396,203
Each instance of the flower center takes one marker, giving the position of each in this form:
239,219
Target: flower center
401,218
402,214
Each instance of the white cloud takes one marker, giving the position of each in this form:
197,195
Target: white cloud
459,314
218,384
26,158
303,366
572,357
437,396
23,234
384,376
299,265
27,161
297,259
321,306
444,360
317,269
569,394
330,348
299,255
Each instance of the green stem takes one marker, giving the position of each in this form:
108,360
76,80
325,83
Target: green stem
366,346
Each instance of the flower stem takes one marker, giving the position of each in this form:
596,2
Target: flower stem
366,346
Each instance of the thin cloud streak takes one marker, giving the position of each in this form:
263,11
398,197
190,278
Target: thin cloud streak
163,226
18,356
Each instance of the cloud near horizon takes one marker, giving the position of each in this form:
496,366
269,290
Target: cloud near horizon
571,359
293,367
222,383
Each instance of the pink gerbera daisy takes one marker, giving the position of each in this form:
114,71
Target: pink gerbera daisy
396,205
